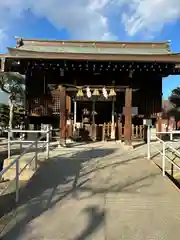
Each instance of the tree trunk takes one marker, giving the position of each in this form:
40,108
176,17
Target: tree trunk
11,111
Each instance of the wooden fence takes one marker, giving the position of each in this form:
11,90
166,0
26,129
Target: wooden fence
102,132
137,132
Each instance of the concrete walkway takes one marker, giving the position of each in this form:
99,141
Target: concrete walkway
100,192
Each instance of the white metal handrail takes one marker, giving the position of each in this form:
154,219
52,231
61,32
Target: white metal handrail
17,159
171,133
10,142
165,146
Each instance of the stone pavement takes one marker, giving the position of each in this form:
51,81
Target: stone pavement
97,191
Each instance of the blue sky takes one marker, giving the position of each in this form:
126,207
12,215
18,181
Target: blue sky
123,20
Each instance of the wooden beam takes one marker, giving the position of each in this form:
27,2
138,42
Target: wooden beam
117,88
128,116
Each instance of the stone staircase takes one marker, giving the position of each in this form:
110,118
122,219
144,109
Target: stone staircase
26,169
173,172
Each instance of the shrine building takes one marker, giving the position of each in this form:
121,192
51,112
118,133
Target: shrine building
87,84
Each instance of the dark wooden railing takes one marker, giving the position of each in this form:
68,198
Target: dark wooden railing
137,132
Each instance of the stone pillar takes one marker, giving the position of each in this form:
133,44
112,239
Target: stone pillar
128,117
62,115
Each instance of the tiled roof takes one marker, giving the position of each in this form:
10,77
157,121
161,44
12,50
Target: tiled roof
96,50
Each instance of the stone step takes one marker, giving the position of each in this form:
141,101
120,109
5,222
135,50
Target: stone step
170,169
22,162
25,175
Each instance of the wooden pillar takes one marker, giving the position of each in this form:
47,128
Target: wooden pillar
68,104
128,116
68,117
159,126
93,122
62,115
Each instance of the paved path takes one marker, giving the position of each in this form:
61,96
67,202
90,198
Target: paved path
98,192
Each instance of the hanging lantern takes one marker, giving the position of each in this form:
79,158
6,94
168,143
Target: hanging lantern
79,95
88,92
104,91
96,92
112,93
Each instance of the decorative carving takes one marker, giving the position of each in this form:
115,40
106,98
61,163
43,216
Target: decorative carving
19,43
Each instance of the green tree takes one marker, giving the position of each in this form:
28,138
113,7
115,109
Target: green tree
175,97
12,84
4,115
175,101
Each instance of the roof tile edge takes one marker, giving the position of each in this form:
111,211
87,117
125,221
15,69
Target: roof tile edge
93,42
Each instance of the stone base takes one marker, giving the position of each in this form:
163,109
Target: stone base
65,143
127,147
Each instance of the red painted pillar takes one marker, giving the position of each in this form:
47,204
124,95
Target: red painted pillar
128,117
62,115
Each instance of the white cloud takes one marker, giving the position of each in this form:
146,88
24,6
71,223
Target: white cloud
150,15
3,38
89,19
83,18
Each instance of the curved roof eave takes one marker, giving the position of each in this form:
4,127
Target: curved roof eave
19,53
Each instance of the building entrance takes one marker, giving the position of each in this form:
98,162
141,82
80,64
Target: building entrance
102,112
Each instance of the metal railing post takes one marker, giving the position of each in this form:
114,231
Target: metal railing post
9,144
21,139
36,155
148,143
171,136
16,161
17,181
21,146
47,142
163,158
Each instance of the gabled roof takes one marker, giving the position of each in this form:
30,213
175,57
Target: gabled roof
95,47
94,50
81,43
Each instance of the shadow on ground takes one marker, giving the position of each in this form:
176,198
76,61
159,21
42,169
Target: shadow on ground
96,220
57,179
